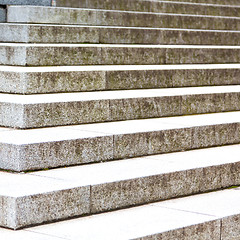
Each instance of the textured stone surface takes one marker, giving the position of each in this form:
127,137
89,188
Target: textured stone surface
153,6
142,222
27,2
33,14
28,80
108,186
40,201
68,148
40,33
229,2
64,146
31,111
102,54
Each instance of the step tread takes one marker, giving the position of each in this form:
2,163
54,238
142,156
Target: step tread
112,95
37,25
32,136
34,14
115,180
67,9
164,219
32,45
144,166
19,69
100,173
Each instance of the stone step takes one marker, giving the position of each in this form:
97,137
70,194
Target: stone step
44,196
44,148
32,80
69,16
112,54
205,216
28,2
218,2
34,111
45,33
155,6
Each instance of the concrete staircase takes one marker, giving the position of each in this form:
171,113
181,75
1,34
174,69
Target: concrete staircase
107,108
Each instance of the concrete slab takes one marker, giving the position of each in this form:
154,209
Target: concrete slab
27,2
111,54
30,80
174,219
64,146
158,220
155,6
32,111
45,33
107,186
219,2
53,15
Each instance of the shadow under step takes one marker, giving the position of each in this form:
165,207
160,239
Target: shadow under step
23,150
40,197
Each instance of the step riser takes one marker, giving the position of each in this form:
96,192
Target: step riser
78,81
37,115
114,18
111,147
153,6
113,55
74,34
23,211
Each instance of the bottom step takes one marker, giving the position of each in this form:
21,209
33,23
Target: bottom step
58,194
214,216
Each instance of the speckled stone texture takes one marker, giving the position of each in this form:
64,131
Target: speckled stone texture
60,193
41,33
66,146
219,2
33,14
153,6
27,2
34,111
101,54
78,79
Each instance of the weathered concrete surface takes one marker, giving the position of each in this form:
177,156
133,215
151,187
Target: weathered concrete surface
33,111
40,33
64,146
110,54
34,14
30,80
154,6
3,16
205,216
223,2
27,2
44,196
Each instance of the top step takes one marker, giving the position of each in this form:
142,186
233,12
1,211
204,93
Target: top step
28,2
202,8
